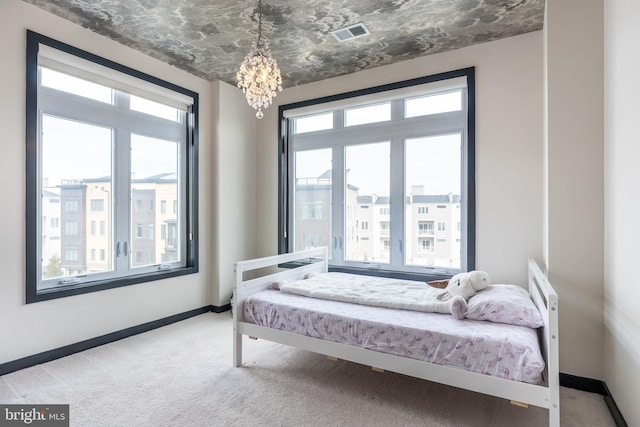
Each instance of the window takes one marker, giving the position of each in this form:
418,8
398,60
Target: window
433,104
406,150
426,245
71,205
105,140
97,205
314,123
71,253
163,206
311,240
312,210
70,228
367,114
425,228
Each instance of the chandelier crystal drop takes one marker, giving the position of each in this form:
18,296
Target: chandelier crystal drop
259,76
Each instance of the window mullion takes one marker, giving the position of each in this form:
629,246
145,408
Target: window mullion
186,234
396,233
338,204
122,199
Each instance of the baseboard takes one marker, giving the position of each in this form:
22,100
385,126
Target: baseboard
70,349
613,408
598,387
221,309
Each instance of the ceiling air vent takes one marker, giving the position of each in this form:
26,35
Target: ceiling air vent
349,33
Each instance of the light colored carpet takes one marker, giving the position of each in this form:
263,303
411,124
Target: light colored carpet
181,375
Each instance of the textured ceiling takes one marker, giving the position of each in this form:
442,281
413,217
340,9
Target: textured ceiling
209,38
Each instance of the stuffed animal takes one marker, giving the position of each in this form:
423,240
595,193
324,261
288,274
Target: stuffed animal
462,286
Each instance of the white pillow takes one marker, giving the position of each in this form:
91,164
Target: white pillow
508,304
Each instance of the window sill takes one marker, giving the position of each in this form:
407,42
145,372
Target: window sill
83,288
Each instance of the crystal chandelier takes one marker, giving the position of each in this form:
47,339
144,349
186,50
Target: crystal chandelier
259,76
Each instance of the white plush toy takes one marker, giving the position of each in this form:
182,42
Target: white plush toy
453,299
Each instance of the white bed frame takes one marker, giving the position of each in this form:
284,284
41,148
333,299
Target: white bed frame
542,293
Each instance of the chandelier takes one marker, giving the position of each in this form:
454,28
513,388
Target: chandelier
259,76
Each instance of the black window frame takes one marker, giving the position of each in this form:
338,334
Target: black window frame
468,162
32,234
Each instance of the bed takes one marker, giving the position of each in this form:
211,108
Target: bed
259,311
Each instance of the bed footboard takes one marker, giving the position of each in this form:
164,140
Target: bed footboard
312,260
546,299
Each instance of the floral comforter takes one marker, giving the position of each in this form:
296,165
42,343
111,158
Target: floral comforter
505,351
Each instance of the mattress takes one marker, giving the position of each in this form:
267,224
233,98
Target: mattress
500,350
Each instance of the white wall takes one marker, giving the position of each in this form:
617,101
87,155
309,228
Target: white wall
29,329
622,206
574,214
508,144
235,183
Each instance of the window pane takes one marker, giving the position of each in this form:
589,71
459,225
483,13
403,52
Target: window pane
432,207
154,108
312,210
433,104
367,183
368,114
79,187
314,123
76,86
154,171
